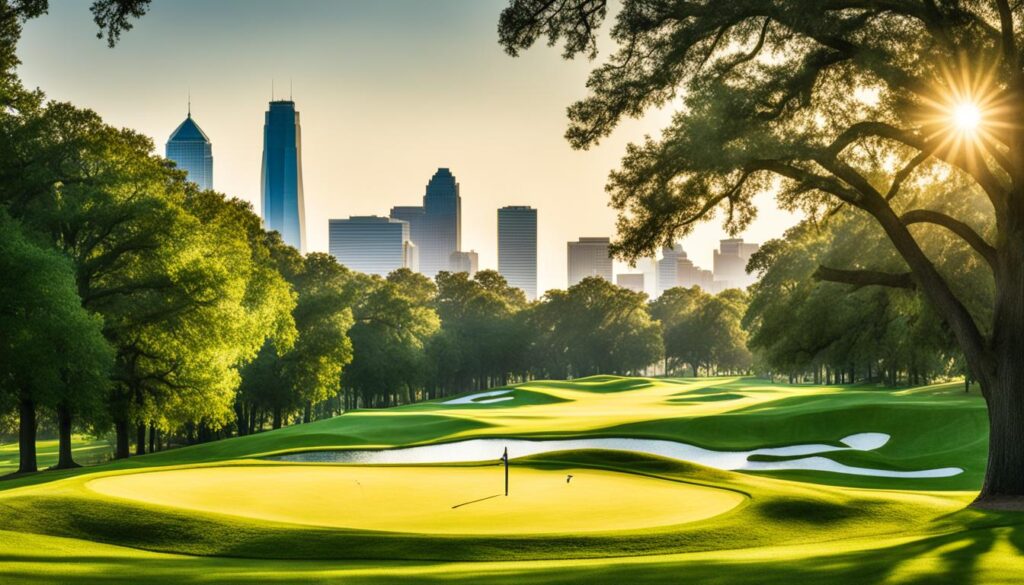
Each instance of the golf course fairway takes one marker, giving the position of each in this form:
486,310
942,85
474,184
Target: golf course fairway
432,500
232,511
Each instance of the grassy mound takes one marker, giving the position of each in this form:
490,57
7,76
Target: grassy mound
625,516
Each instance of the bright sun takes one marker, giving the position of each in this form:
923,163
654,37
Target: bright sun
967,116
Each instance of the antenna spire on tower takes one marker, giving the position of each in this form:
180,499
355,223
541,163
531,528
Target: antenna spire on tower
190,102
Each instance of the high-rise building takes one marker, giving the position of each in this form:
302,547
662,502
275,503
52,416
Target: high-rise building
191,150
437,225
589,257
517,247
730,265
464,262
633,282
371,244
668,271
689,275
283,207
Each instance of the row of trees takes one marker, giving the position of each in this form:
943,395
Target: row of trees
802,323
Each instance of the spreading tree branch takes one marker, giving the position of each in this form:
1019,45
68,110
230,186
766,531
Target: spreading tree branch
966,232
862,278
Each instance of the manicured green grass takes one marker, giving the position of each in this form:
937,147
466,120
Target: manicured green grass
86,450
318,526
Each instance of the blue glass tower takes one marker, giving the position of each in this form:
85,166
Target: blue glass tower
191,150
283,208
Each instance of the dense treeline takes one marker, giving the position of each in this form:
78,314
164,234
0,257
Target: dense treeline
805,327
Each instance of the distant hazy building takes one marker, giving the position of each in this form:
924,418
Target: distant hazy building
668,267
689,275
649,268
191,150
589,257
283,207
730,265
371,244
436,227
517,247
633,282
464,262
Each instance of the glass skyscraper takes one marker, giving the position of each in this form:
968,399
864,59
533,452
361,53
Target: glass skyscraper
283,208
517,247
371,244
436,228
191,150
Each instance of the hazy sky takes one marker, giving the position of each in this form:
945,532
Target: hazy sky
387,91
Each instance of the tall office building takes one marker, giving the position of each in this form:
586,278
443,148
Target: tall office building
730,263
633,282
371,244
283,207
191,150
668,267
464,262
436,227
589,257
517,247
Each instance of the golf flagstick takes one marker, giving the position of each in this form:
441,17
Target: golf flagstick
505,459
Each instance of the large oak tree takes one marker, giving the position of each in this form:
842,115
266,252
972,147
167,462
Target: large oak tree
828,103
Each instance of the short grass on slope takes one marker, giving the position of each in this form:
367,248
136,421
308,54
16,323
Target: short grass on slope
802,531
86,450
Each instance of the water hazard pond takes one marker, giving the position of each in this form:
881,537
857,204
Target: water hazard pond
802,457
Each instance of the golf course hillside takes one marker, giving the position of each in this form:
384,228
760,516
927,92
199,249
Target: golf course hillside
718,480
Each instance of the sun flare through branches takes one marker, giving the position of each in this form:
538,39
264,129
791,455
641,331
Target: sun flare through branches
968,112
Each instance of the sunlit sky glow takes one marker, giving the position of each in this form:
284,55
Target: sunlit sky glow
387,91
967,116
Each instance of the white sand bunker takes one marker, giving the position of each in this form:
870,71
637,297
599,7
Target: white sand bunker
490,449
482,397
430,500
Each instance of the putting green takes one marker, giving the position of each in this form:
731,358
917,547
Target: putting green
429,500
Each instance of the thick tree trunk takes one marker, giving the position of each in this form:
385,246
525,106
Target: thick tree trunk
307,413
64,458
140,439
277,418
152,438
121,449
1004,475
1004,389
27,435
241,420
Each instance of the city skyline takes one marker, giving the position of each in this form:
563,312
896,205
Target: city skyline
384,103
